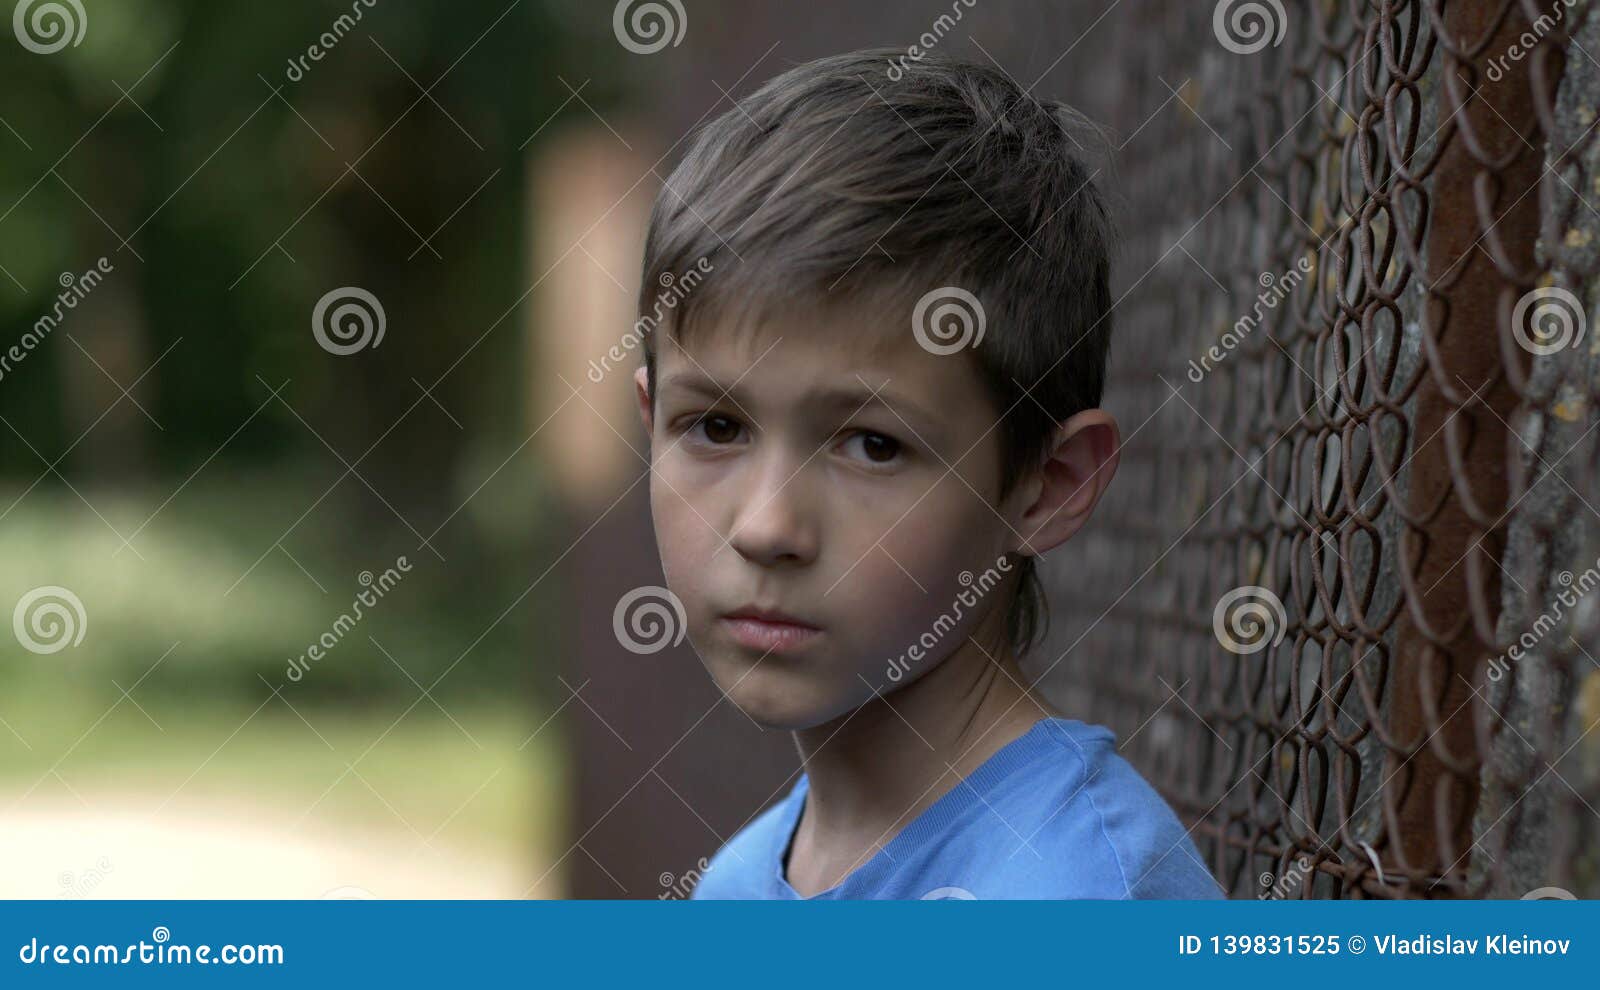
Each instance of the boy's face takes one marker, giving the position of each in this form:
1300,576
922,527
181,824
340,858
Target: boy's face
781,483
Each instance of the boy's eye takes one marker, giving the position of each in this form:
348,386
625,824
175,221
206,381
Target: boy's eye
874,447
717,429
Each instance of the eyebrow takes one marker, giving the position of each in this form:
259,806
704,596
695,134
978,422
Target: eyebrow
847,397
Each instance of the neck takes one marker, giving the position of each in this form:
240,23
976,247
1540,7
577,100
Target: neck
873,770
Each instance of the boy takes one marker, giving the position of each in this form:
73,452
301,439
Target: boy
866,419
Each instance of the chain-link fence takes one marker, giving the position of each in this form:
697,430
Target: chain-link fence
1348,627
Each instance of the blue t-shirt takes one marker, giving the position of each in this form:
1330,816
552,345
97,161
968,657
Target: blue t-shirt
1054,814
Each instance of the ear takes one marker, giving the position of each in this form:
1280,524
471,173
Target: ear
1075,473
641,388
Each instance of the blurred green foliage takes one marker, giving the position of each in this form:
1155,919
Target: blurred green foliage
258,474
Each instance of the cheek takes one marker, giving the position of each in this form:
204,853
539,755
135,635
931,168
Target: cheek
691,551
685,542
914,575
948,531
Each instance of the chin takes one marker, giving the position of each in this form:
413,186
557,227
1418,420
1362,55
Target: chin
782,699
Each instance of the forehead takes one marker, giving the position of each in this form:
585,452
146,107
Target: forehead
812,354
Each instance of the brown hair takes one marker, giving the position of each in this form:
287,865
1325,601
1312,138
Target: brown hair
855,177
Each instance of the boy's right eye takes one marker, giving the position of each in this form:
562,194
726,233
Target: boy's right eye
715,429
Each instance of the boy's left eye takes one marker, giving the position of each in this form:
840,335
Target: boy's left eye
875,448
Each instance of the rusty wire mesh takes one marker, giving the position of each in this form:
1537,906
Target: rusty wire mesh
1351,217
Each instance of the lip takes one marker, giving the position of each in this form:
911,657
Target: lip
768,629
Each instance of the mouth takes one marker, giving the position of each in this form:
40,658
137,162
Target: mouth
768,629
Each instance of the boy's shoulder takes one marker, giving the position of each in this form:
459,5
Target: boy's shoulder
1094,827
1071,820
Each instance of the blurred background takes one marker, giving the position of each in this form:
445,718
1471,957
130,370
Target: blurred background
321,483
214,487
312,512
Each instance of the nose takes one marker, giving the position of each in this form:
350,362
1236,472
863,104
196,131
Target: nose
777,524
